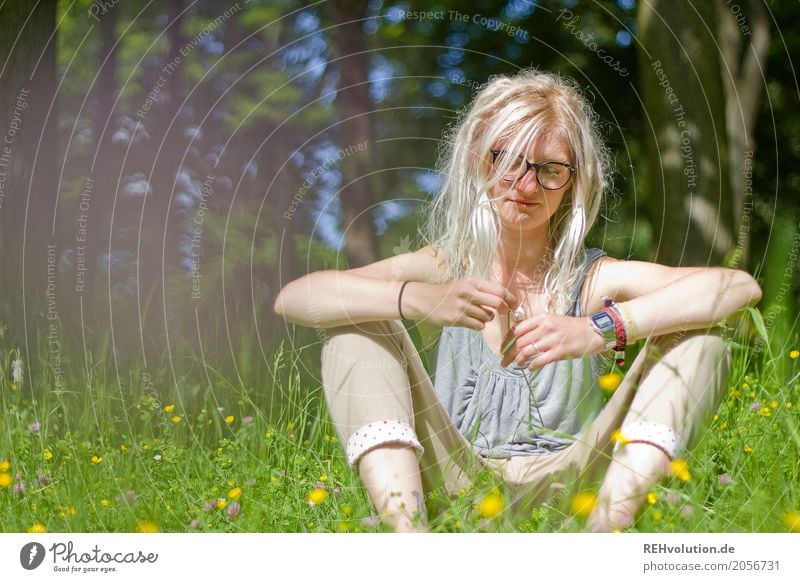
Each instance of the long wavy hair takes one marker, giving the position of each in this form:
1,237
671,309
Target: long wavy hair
515,111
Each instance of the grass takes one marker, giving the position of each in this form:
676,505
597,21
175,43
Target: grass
121,455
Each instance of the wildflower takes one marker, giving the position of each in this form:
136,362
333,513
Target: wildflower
290,425
323,477
680,469
235,493
147,526
247,419
773,404
5,480
657,516
792,521
788,405
725,479
491,506
618,437
764,411
723,426
794,354
652,497
755,406
250,482
234,509
19,485
169,408
96,459
342,527
37,528
17,371
4,466
319,485
43,480
583,503
347,510
130,497
34,426
210,506
748,449
156,457
176,419
609,382
371,521
734,393
687,511
194,524
122,448
316,496
105,502
229,419
68,511
220,504
673,497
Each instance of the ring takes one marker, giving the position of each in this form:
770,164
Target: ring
535,349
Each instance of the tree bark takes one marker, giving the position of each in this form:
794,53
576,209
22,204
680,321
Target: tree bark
357,194
689,201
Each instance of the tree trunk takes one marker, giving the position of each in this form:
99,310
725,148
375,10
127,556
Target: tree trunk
357,194
28,157
689,201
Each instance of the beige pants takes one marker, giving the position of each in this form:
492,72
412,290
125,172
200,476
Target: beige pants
372,372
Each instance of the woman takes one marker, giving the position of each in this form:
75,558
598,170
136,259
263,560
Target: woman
526,311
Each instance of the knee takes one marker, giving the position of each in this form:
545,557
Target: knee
357,342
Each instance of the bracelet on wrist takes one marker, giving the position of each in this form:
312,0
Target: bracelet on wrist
400,300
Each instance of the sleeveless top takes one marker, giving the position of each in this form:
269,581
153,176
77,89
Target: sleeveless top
515,411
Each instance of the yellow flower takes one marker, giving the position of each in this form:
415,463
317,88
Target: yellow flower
347,510
788,405
652,497
221,504
37,528
491,506
290,425
122,448
4,466
609,382
792,521
657,516
229,419
147,527
169,408
96,460
5,480
47,454
342,527
734,393
68,511
618,437
745,385
176,419
583,503
323,478
235,493
748,449
773,404
765,411
105,502
680,469
794,354
317,496
724,425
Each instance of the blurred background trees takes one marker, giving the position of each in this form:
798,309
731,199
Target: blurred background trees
186,159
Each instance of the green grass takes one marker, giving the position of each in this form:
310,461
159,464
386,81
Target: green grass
107,456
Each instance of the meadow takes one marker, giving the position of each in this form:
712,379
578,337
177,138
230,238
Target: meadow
109,453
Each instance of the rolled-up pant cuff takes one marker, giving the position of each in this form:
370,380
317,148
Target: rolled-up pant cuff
377,433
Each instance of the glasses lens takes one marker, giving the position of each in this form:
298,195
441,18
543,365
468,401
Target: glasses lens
516,167
553,176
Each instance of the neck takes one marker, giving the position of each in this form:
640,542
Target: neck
521,260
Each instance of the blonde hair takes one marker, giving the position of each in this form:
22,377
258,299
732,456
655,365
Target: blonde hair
514,110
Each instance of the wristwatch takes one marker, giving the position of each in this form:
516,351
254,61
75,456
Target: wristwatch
604,324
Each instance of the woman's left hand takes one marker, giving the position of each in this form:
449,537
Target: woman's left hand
556,337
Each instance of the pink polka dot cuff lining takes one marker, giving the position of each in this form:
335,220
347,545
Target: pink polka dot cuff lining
653,432
377,433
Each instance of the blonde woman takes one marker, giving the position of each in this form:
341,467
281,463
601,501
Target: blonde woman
526,313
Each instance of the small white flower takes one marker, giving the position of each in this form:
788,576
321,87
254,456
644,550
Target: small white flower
157,457
16,371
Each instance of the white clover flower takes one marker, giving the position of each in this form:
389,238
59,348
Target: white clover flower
16,371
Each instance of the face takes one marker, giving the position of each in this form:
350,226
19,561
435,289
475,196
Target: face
522,203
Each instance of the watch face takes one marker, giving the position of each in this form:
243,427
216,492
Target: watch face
603,319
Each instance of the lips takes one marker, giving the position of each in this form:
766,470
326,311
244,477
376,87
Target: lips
524,203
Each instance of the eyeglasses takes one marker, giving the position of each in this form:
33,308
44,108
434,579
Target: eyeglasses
550,175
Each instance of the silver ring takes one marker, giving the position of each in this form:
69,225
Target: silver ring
535,349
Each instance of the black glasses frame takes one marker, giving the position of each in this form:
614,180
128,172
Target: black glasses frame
536,168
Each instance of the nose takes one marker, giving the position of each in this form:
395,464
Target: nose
528,182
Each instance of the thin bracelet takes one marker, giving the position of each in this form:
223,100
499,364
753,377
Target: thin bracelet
630,325
400,299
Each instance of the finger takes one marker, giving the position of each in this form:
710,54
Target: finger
489,300
500,291
480,313
530,324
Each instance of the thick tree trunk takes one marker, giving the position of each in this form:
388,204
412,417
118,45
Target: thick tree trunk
28,157
357,194
690,202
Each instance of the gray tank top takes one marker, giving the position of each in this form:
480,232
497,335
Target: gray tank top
515,411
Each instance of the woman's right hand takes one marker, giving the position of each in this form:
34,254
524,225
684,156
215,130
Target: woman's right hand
466,302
